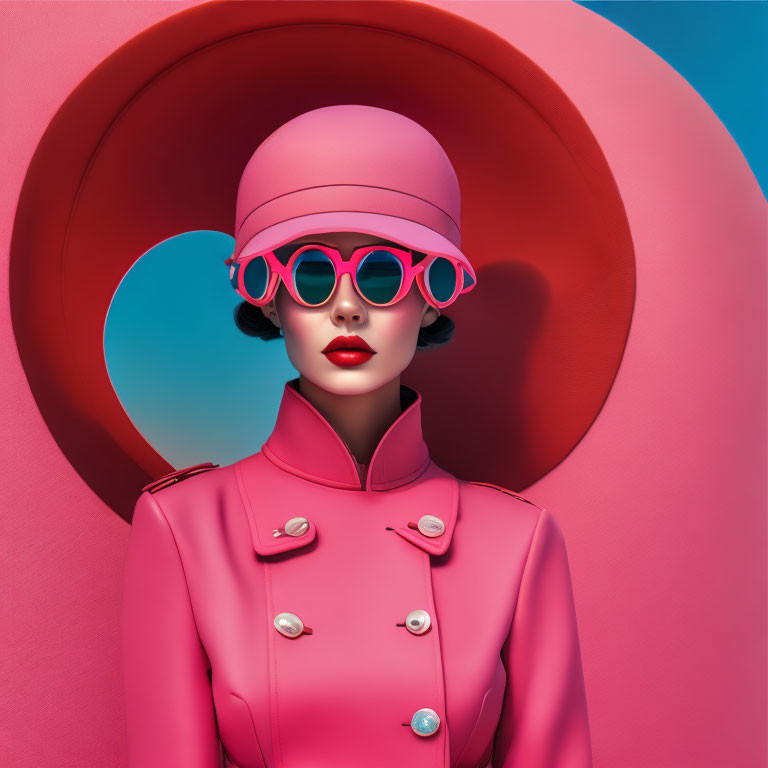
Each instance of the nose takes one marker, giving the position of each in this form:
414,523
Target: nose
347,307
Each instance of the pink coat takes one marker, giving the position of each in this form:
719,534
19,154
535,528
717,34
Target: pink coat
486,671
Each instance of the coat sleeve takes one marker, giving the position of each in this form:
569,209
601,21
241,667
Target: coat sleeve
169,706
544,722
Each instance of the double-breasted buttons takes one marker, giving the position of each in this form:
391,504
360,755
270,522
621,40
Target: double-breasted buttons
425,722
429,525
290,625
296,526
418,621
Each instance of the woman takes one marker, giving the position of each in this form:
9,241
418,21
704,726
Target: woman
337,599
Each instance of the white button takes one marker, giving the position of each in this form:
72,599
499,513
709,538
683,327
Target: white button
431,525
418,621
425,722
296,526
288,624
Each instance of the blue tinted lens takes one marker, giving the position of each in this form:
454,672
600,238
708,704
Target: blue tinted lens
314,277
255,277
441,279
379,276
467,279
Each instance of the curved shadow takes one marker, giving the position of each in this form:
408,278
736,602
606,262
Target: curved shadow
152,143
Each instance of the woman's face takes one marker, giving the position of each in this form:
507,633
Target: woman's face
391,331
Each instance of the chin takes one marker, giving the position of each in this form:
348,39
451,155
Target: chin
348,381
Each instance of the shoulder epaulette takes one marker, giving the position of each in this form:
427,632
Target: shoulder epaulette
504,490
177,476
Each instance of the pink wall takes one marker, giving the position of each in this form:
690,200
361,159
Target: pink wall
62,548
662,503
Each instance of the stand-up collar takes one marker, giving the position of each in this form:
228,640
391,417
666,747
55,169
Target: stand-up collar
304,443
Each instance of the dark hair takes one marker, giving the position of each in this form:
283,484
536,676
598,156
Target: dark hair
252,322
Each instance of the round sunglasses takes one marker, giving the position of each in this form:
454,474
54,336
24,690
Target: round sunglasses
381,274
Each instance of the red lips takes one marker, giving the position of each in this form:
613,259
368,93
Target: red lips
348,351
348,342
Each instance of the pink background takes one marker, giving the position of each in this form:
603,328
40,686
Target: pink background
662,503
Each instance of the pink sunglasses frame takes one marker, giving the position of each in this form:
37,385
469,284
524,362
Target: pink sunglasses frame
418,272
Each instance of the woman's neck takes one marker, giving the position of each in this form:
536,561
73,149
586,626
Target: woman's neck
360,420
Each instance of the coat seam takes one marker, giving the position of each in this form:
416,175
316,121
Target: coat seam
475,726
253,724
160,509
274,703
253,523
525,567
436,651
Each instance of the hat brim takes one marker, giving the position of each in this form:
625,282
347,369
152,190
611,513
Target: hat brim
402,231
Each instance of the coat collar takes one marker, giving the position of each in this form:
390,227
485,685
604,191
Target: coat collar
305,444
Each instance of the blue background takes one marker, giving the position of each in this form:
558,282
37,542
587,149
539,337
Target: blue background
721,48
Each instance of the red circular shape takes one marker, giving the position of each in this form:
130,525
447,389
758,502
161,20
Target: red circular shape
153,143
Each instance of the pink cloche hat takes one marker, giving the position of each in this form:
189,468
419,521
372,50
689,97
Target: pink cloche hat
349,168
